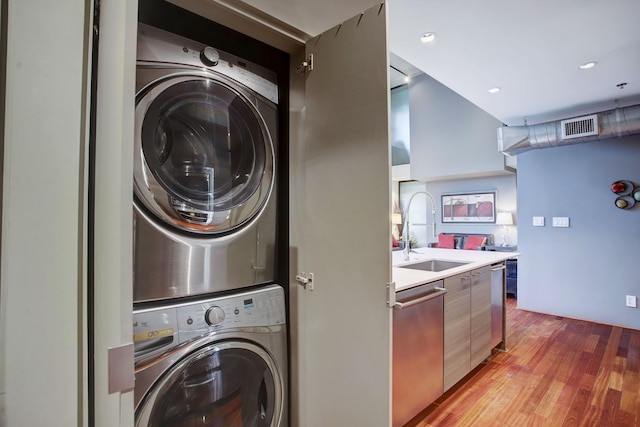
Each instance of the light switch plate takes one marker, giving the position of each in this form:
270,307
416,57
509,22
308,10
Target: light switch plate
560,221
538,221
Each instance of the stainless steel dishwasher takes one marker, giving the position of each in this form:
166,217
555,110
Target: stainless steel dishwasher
418,344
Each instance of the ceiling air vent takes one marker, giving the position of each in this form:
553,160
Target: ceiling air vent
580,127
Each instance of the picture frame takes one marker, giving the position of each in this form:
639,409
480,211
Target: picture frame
469,208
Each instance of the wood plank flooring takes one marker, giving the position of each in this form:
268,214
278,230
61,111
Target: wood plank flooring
556,372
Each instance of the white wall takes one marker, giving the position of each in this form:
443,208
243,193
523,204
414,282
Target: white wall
42,268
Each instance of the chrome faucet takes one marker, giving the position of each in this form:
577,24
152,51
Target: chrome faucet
407,244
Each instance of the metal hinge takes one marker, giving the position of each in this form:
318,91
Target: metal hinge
391,294
121,374
305,65
306,280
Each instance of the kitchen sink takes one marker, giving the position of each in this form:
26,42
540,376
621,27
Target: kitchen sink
434,265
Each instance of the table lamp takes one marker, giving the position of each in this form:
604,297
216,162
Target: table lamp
396,219
504,219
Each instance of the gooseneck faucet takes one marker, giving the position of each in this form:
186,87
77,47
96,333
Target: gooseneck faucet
407,247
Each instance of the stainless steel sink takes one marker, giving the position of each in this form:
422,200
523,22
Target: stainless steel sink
434,265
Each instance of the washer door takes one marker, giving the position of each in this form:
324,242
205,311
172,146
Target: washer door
232,384
203,157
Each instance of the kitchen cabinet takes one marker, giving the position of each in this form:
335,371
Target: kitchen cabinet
457,320
467,323
480,315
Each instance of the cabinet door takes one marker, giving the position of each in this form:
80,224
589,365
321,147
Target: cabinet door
480,315
340,192
457,351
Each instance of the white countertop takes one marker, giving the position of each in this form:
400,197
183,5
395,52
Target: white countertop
405,278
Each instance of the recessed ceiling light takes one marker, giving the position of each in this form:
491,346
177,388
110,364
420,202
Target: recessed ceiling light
494,90
427,37
588,65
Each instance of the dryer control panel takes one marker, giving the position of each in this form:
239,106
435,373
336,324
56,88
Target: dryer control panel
156,46
162,328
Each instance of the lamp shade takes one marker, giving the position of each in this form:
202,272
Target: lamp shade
504,218
396,219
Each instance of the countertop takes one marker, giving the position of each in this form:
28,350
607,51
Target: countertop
406,278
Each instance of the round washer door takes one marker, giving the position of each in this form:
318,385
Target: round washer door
231,384
204,158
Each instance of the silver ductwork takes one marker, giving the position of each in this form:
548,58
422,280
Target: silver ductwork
616,123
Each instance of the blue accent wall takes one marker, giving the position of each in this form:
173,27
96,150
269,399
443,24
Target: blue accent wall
586,270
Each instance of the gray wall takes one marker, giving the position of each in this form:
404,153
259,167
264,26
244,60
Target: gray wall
503,185
441,122
454,149
586,270
400,129
505,188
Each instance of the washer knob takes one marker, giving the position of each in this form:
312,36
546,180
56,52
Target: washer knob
214,316
209,56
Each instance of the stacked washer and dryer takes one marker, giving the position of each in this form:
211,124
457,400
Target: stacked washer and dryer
209,322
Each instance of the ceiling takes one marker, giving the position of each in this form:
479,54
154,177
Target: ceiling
531,50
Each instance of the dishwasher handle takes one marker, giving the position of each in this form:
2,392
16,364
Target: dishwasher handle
438,293
499,267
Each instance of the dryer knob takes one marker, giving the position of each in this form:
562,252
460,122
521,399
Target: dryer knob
214,316
209,56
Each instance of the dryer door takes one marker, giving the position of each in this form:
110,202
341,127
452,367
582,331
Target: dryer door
204,157
230,384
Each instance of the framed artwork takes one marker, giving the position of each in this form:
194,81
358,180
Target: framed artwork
469,208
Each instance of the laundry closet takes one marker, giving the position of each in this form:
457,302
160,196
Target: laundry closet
336,259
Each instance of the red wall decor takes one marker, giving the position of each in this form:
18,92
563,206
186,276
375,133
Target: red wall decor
628,194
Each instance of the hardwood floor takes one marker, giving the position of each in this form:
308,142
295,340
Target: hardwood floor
556,372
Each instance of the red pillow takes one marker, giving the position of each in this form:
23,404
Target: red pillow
473,242
394,242
446,241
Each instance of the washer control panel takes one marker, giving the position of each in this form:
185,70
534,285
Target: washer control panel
209,56
157,46
214,316
164,327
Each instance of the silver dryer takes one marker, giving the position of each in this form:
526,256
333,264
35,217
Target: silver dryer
204,169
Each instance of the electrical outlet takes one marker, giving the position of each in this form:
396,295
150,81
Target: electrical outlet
631,301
